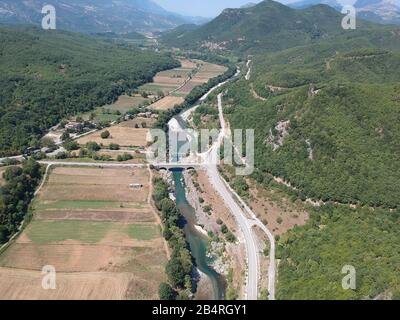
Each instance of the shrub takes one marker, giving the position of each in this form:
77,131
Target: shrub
166,292
105,134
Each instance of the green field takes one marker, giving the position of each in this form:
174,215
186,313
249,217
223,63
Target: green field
143,232
44,232
84,204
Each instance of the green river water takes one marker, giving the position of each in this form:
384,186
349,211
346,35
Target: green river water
197,241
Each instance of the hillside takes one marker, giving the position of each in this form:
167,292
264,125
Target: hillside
90,16
381,11
326,120
324,104
266,27
45,76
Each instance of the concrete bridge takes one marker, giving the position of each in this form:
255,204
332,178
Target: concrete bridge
176,166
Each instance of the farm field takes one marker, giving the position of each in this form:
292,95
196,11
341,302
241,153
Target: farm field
206,72
172,82
167,103
125,134
123,105
101,236
126,103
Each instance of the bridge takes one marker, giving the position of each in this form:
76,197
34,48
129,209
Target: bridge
176,166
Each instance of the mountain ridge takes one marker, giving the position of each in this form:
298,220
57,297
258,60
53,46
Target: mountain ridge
268,26
91,16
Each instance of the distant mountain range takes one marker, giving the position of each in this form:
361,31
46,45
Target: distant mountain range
266,27
381,11
91,16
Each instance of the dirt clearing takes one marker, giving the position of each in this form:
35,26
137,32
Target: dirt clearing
167,103
123,135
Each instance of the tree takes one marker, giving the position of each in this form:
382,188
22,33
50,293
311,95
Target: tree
92,146
114,146
70,145
65,136
175,272
166,292
105,134
47,142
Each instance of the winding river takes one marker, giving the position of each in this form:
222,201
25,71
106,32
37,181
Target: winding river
197,241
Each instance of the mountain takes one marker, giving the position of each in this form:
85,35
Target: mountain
268,26
308,3
325,114
46,76
381,11
248,5
91,16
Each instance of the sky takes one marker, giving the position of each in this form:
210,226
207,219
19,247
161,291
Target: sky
204,8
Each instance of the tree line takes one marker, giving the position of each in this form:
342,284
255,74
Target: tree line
180,267
16,195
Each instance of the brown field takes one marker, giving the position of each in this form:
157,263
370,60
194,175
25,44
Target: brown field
125,103
188,87
121,134
167,103
206,72
169,80
26,285
95,184
187,64
102,246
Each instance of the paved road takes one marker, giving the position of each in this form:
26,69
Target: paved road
246,224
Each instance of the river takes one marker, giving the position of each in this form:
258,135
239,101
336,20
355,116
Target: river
197,241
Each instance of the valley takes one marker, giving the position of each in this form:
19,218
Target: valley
78,192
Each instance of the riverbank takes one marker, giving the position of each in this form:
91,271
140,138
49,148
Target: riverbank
227,258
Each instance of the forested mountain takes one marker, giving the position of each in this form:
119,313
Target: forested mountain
266,27
95,15
382,11
47,75
325,106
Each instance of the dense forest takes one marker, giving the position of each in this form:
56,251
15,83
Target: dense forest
329,125
48,75
312,257
16,195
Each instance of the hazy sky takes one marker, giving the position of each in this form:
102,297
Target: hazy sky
205,8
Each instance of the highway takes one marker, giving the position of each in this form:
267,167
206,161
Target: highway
246,224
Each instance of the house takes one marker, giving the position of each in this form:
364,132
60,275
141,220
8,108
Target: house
73,125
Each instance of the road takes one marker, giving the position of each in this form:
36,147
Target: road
246,224
93,164
210,160
248,65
